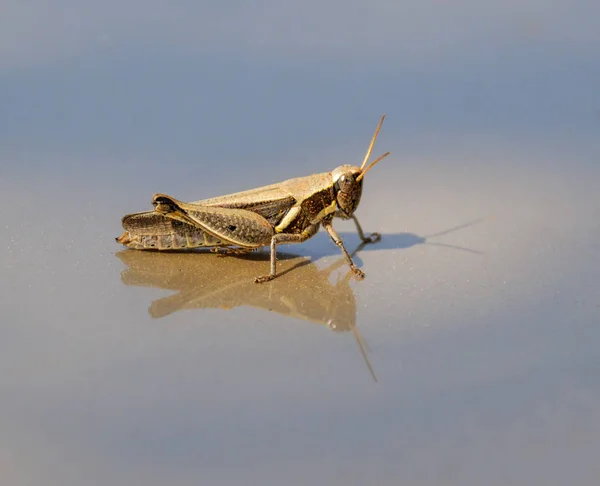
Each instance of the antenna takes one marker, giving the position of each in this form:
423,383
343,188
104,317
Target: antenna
381,157
372,142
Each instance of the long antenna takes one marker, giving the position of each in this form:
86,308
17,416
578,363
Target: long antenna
362,174
372,142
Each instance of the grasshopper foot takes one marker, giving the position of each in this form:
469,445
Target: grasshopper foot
358,273
372,238
264,278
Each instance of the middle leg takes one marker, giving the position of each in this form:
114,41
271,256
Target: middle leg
281,238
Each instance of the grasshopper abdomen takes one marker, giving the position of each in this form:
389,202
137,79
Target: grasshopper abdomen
153,231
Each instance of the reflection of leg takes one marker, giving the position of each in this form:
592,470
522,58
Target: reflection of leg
338,241
281,238
372,238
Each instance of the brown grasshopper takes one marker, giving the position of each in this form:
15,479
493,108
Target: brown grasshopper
286,212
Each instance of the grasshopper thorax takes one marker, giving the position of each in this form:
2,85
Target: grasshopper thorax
347,187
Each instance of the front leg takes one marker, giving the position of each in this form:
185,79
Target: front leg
359,274
372,238
281,238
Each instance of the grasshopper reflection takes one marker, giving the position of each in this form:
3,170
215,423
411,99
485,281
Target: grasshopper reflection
213,282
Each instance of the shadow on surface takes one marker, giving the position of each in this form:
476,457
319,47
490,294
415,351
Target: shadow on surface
392,241
205,280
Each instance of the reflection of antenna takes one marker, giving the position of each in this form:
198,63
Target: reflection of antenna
361,346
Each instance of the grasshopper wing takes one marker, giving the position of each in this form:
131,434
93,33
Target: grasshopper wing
239,227
271,202
150,230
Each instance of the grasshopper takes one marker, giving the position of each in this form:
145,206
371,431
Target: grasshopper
287,212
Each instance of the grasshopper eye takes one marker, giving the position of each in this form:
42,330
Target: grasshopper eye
344,183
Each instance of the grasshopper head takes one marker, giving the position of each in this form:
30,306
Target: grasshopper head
347,181
347,188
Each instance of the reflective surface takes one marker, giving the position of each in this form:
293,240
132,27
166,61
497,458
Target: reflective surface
480,308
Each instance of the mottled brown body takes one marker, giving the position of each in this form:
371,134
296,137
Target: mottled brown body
287,212
144,230
153,231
